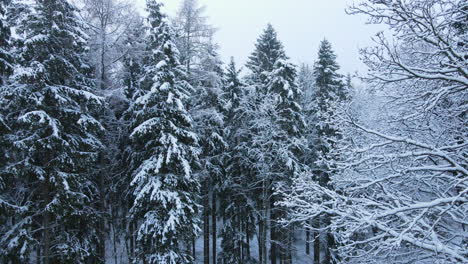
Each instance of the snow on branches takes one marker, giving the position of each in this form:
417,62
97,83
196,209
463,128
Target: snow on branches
400,179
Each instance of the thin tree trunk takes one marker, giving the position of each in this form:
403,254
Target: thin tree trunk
247,236
290,244
266,203
316,236
239,229
260,240
46,238
213,225
115,236
38,257
206,224
132,245
194,252
273,231
46,226
307,243
102,62
330,242
102,204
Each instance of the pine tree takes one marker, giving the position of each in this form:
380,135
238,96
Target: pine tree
133,60
268,50
233,89
238,217
276,126
165,149
51,109
329,91
291,141
209,123
6,69
6,59
7,206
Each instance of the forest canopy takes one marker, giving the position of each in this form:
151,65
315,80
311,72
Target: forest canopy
125,138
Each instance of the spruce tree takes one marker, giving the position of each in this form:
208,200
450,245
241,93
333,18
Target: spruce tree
7,204
51,109
330,90
6,58
6,69
209,120
164,152
133,60
276,126
268,50
233,90
238,214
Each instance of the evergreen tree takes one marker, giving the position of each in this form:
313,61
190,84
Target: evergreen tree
330,90
51,109
268,50
6,69
306,83
133,60
291,141
209,124
165,149
6,59
7,206
238,213
275,124
233,89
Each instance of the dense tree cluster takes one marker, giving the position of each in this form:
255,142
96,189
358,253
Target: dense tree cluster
125,139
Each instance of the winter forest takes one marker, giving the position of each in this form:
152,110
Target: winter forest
125,138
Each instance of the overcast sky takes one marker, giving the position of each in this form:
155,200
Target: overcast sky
301,25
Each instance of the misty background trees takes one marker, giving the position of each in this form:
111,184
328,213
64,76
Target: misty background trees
126,139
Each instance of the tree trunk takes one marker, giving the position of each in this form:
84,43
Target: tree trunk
102,62
290,244
247,236
307,243
273,231
213,225
194,252
102,204
131,231
46,226
239,229
206,224
330,242
260,240
38,256
46,238
316,237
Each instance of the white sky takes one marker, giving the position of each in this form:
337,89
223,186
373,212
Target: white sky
301,25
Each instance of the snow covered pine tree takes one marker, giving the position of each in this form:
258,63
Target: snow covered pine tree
7,208
274,139
165,150
330,91
6,58
237,212
50,108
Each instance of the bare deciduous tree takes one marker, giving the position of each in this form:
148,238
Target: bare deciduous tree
402,188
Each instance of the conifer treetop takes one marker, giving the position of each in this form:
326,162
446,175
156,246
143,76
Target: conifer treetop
268,50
